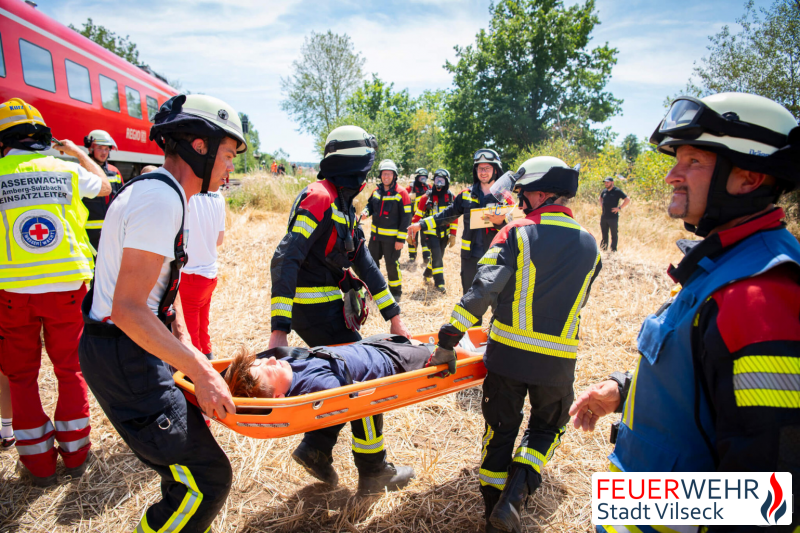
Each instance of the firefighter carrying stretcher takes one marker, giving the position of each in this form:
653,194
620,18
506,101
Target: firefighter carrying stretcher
315,292
390,209
432,203
538,273
417,190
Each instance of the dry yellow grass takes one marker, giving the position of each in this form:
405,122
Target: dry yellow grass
439,438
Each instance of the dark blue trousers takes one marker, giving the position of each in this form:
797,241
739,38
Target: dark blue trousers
138,395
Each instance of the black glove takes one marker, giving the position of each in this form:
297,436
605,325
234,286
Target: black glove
442,356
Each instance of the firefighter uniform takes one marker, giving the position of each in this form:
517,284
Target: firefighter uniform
539,271
98,207
46,259
474,242
733,335
417,190
134,387
391,215
436,238
306,270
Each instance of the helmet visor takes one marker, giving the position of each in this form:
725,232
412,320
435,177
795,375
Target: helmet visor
688,118
503,188
439,182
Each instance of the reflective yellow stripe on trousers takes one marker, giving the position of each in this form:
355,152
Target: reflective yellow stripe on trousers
191,501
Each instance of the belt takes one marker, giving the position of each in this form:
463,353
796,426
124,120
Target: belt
103,331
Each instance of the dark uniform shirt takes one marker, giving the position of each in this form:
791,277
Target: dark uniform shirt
611,198
365,361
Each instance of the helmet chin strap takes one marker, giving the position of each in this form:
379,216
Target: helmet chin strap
722,206
526,205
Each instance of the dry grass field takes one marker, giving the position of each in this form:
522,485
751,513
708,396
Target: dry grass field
441,438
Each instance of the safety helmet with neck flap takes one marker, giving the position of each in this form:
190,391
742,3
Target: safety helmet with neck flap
388,164
348,157
545,174
100,138
489,156
23,127
744,130
201,116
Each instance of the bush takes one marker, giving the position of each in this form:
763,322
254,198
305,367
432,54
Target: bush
262,191
647,177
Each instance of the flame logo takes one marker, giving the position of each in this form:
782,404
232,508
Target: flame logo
773,504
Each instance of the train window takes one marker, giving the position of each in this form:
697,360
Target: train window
37,66
109,93
134,102
80,88
2,61
152,108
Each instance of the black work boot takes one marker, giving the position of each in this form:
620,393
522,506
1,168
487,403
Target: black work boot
396,294
384,477
316,463
490,497
522,481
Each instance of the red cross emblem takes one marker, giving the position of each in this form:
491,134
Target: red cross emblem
39,232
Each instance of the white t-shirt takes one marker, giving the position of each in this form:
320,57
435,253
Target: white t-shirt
204,220
88,186
146,216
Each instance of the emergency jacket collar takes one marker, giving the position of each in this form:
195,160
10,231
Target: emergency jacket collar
550,209
714,245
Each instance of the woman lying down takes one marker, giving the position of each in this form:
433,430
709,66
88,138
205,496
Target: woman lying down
287,371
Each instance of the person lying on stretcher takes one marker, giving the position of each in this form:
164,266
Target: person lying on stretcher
288,371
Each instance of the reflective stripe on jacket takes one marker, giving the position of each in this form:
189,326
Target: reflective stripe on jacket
474,242
537,274
98,207
659,429
391,213
317,229
43,238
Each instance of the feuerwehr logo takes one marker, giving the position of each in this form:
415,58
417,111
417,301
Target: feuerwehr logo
38,231
775,505
222,114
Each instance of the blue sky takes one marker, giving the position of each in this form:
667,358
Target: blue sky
239,49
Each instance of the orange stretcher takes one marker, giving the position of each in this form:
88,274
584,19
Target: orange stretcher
282,417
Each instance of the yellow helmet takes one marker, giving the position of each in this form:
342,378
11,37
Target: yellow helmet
21,123
16,112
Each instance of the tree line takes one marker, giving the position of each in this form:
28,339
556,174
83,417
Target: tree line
530,81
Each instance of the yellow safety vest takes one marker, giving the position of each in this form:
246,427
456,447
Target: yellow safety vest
43,239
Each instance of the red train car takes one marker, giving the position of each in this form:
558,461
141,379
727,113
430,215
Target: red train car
78,85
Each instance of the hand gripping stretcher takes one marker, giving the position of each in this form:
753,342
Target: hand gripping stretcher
282,417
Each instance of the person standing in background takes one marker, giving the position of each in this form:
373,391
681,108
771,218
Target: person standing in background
205,230
99,144
609,219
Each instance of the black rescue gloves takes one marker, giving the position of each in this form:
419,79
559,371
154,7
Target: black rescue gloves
442,356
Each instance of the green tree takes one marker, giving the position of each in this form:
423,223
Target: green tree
631,148
530,76
426,132
122,46
321,82
252,155
762,58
